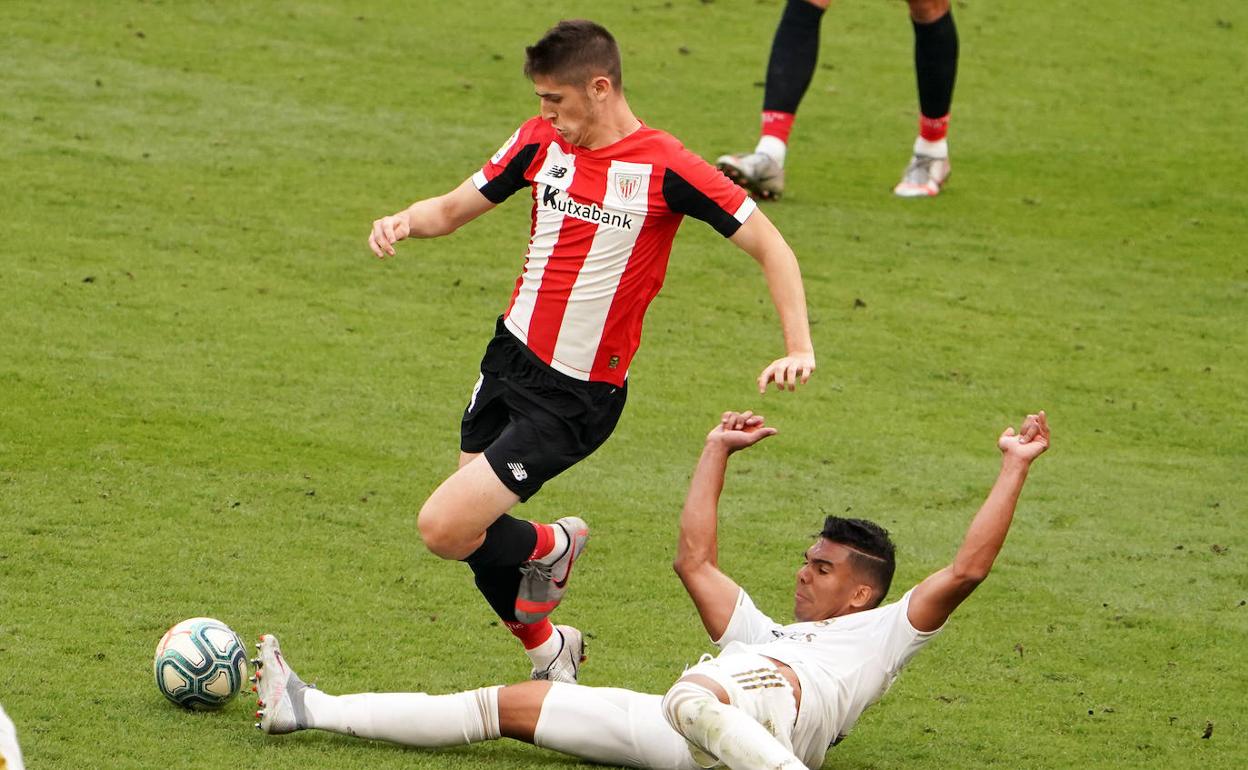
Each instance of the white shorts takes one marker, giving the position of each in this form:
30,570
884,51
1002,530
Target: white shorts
621,727
755,685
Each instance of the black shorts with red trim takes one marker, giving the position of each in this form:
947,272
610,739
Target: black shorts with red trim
531,421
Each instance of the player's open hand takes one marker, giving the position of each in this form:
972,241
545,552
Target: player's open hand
1030,441
388,231
787,372
738,430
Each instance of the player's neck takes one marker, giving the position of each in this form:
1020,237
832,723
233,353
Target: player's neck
617,123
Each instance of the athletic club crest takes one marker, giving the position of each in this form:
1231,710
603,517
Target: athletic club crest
627,186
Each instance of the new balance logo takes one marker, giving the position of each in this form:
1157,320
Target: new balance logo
558,172
518,471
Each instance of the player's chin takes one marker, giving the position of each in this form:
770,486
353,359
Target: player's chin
801,609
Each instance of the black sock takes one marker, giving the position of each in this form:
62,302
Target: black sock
508,543
794,52
936,64
499,586
496,564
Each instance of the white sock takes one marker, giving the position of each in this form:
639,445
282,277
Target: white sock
412,719
772,147
725,732
938,149
608,726
544,653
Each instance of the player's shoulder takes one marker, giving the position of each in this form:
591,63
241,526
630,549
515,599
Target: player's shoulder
664,146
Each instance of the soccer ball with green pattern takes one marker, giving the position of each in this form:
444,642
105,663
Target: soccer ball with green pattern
200,663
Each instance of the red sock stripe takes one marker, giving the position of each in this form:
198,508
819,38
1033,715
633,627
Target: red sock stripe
531,635
778,124
933,129
545,540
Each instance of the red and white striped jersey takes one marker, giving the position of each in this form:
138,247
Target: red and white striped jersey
603,224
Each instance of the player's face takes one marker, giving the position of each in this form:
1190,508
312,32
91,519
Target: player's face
826,583
570,108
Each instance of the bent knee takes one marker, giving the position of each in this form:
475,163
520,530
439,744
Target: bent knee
685,702
440,536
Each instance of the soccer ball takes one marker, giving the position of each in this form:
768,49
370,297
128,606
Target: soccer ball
200,663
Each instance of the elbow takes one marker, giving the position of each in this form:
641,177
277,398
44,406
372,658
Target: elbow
971,576
685,565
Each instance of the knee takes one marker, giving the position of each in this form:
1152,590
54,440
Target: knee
438,535
928,11
685,704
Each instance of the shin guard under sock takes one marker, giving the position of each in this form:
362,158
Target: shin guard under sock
794,52
936,65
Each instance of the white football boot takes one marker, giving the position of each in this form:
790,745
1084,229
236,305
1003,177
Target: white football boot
923,178
279,691
758,173
567,662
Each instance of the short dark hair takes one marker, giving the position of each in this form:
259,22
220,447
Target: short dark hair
874,556
574,51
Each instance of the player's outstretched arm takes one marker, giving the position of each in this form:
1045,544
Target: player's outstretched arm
697,550
429,218
935,599
759,238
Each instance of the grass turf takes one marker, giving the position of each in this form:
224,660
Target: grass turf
216,402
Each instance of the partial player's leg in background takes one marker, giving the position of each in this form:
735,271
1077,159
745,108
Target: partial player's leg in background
936,69
790,68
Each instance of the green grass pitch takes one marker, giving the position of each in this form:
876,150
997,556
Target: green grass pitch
214,401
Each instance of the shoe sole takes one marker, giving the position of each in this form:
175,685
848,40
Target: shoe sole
741,180
269,689
530,611
920,191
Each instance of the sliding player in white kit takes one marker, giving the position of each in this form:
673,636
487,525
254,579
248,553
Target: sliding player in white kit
777,696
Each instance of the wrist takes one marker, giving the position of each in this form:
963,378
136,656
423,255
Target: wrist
715,448
1010,463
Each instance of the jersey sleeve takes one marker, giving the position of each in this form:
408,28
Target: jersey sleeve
748,625
902,641
505,172
695,188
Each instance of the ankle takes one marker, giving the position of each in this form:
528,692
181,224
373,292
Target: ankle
534,636
773,147
552,542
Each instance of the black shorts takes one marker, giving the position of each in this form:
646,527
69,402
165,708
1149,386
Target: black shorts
531,421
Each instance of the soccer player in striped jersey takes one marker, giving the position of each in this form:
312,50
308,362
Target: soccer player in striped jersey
776,696
609,193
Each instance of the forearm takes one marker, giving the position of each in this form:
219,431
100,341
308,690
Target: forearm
429,218
698,543
988,529
784,281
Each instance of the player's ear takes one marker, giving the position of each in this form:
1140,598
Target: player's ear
600,87
861,598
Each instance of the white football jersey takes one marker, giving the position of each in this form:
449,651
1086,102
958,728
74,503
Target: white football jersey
843,664
10,754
